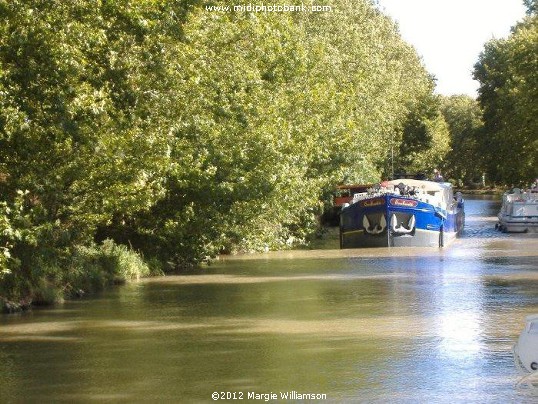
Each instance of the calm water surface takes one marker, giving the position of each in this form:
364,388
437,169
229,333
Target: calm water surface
375,325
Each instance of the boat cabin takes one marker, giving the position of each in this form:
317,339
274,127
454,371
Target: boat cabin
344,193
439,194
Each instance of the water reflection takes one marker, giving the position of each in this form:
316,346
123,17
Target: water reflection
375,325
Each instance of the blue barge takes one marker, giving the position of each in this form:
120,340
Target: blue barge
402,213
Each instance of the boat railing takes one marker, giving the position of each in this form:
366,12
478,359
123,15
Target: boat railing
360,196
415,193
521,197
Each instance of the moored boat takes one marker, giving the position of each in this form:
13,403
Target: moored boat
402,212
519,211
344,194
526,353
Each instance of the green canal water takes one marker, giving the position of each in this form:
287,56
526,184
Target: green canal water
376,325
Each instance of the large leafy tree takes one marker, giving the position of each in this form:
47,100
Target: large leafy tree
508,92
465,159
80,89
425,141
276,109
379,79
239,155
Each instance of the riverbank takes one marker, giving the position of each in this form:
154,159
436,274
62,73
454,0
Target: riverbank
84,271
481,191
95,268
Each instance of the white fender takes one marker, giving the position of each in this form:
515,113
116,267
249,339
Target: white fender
411,223
378,228
397,228
393,222
365,223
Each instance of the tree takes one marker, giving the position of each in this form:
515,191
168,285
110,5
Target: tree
425,141
464,162
532,6
508,91
79,86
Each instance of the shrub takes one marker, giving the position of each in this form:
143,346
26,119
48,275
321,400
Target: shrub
93,268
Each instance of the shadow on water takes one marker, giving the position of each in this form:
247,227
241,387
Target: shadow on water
373,325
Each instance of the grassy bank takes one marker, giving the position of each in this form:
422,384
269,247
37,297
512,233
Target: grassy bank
82,270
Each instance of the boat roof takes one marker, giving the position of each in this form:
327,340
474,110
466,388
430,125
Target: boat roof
424,185
353,186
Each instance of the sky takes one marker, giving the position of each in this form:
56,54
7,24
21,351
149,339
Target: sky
450,34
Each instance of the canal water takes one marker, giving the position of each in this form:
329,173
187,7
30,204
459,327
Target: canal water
376,325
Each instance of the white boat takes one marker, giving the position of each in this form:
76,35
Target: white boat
519,211
526,353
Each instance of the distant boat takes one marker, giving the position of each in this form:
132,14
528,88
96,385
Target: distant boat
519,211
400,213
344,193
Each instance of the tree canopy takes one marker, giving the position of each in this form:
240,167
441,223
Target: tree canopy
183,132
508,92
465,160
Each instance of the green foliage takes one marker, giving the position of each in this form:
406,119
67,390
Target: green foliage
26,236
76,129
508,92
184,133
426,139
532,6
79,270
92,268
7,234
464,118
374,81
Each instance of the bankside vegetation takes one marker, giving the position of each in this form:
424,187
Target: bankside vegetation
145,136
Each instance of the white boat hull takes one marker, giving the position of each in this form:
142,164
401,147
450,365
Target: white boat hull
511,224
519,213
